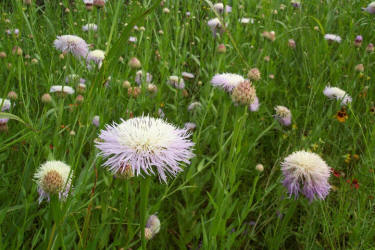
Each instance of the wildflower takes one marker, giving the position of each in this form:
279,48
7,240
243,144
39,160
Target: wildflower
177,82
79,99
81,88
332,38
46,98
89,4
99,3
152,227
166,11
145,142
307,169
296,3
259,167
254,74
283,115
342,116
246,20
219,8
359,68
126,84
73,44
53,178
187,75
227,81
90,26
5,104
254,106
190,126
3,54
27,2
139,75
221,48
370,47
270,35
370,8
244,93
17,50
358,41
291,44
132,39
354,183
337,93
63,90
215,26
134,91
12,95
152,88
96,121
96,56
134,63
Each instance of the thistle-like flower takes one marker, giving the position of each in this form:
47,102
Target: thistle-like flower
253,107
215,26
176,82
244,93
73,44
62,90
152,227
143,143
332,38
90,26
96,56
370,8
283,115
227,81
139,76
219,7
53,177
254,74
337,93
5,104
307,169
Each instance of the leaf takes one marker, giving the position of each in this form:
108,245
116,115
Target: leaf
4,115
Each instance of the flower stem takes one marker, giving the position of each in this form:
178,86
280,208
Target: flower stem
145,187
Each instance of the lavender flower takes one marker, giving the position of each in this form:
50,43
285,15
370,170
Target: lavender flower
337,93
143,143
219,8
176,82
253,107
90,26
73,44
370,8
215,26
332,38
139,75
227,81
283,115
307,169
53,177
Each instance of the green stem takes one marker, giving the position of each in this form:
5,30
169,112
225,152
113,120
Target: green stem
145,188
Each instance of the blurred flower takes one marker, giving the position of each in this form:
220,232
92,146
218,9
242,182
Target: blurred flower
134,63
139,76
270,35
89,4
126,84
97,56
227,81
176,82
370,8
221,48
73,44
246,20
254,74
307,169
254,106
152,227
337,93
259,167
291,43
359,68
219,8
132,39
46,98
190,126
358,41
187,75
216,26
64,90
370,47
283,115
244,93
53,177
342,116
332,38
134,91
143,143
12,96
5,104
295,3
194,105
99,3
90,26
96,121
152,88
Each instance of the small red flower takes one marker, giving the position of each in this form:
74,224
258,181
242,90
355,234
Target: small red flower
335,173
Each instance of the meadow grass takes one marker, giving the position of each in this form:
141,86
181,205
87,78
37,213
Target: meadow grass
220,201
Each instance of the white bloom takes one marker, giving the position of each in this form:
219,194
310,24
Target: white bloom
332,37
53,177
132,39
177,82
96,56
5,104
90,26
73,44
194,105
96,121
246,20
219,7
61,89
337,93
187,75
88,2
227,81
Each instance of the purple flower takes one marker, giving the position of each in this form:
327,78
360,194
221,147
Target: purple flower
255,105
309,170
358,41
227,81
145,143
73,44
283,115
